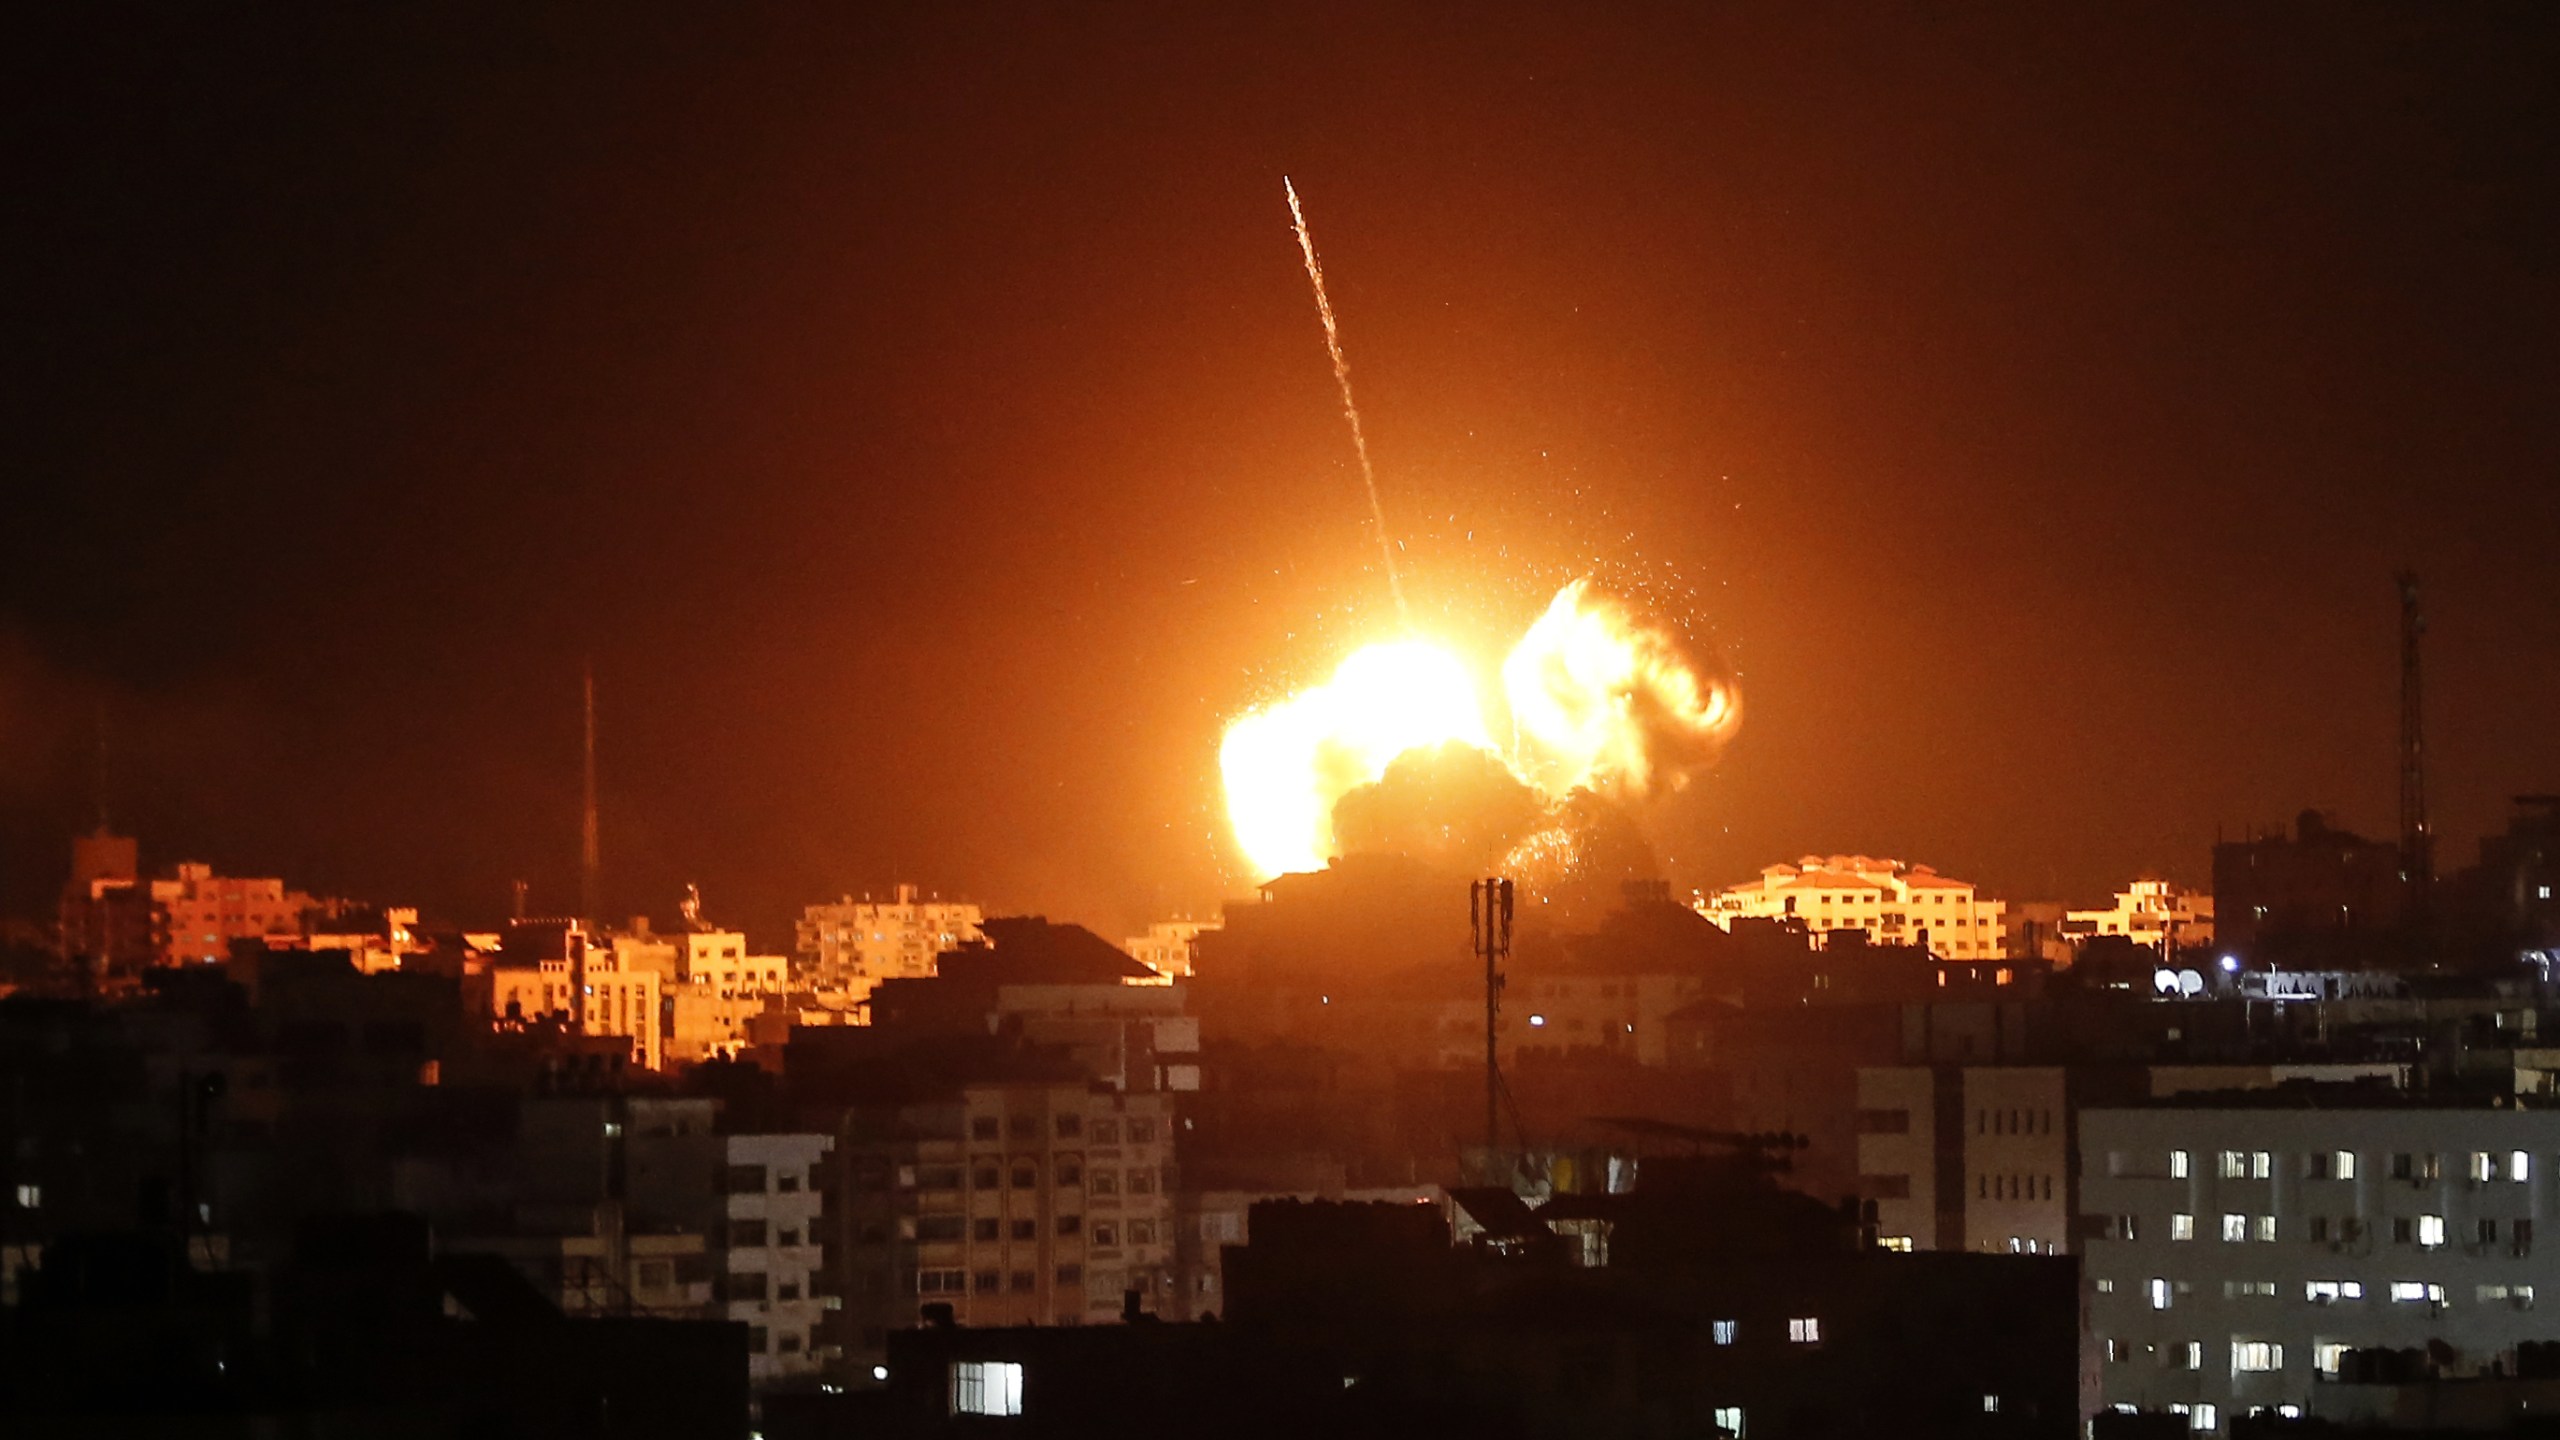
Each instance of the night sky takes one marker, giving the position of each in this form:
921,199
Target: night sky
920,418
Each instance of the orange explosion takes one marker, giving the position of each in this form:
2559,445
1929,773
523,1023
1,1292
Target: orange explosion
1598,696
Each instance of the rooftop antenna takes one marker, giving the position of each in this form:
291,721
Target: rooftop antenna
1489,924
590,857
2417,841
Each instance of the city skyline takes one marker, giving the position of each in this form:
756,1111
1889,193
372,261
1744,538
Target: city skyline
2036,451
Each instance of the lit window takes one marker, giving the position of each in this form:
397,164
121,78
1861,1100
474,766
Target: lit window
2519,1166
2182,1227
1990,1404
2484,1166
2255,1355
2342,1166
2262,1164
2327,1356
2178,1164
2235,1227
2265,1228
2159,1292
2233,1165
2203,1418
2106,1287
1900,1244
1725,1331
1729,1420
986,1387
2324,1292
2430,1230
1806,1330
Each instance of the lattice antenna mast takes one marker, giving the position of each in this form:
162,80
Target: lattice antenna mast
1489,926
590,853
2417,839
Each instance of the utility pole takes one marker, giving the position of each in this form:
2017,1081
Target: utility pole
1489,925
2417,840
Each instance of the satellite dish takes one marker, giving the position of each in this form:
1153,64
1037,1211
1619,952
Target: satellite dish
2164,982
2190,983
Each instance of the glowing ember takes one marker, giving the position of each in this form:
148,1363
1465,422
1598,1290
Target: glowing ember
1600,698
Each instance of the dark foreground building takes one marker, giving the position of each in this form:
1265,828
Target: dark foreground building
1687,1310
365,1333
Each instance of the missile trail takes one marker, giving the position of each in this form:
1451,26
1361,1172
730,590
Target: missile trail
1350,409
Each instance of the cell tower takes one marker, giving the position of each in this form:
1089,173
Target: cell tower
1489,923
590,856
2417,842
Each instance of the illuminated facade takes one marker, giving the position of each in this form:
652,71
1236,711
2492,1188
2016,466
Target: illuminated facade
718,991
2150,913
553,970
1894,903
1167,946
853,945
197,914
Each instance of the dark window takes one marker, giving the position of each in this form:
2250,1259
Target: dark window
1070,1126
746,1233
984,1127
1025,1280
745,1179
1026,1229
1070,1224
987,1177
1070,1274
990,1282
940,1227
1070,1174
1025,1176
1141,1131
1026,1125
984,1229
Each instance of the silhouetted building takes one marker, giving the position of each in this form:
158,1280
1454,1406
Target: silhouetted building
2317,891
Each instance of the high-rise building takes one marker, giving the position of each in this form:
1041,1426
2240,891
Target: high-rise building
853,945
1894,903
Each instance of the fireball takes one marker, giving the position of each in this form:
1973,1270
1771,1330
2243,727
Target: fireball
1286,765
1599,698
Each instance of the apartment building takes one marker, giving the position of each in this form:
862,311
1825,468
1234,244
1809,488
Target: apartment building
769,1269
1168,946
1894,903
2239,1246
1009,1202
1975,1157
2151,913
553,970
197,914
853,945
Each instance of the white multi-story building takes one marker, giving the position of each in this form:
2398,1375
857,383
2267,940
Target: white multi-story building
2236,1250
853,945
1167,947
769,1269
2149,913
1894,903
